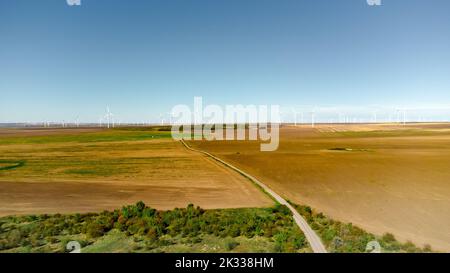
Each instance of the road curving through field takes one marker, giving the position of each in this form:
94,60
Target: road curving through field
313,239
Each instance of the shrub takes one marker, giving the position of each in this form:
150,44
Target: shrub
282,209
230,244
388,238
148,212
152,234
299,241
4,244
94,230
157,227
14,238
410,247
234,231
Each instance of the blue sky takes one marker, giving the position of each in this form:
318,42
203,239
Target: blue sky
142,57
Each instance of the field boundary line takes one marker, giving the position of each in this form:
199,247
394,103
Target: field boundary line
313,239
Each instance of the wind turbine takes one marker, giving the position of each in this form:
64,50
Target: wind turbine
109,116
77,121
161,117
401,111
313,113
295,116
404,116
170,117
398,115
281,116
100,121
341,117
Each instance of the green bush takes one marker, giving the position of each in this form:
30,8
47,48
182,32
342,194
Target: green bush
388,238
94,230
230,244
156,227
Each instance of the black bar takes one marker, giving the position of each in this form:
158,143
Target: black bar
164,262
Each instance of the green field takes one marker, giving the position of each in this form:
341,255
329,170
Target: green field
119,134
86,155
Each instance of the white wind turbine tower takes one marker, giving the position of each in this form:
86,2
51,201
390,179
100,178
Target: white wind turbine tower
400,112
161,117
375,116
170,117
341,117
295,116
77,121
281,116
398,115
404,116
100,121
109,117
313,113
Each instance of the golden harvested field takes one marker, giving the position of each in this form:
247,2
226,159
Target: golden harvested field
383,177
88,170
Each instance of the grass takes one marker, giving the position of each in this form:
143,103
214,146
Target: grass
138,228
384,133
342,149
100,154
11,164
116,241
79,166
113,135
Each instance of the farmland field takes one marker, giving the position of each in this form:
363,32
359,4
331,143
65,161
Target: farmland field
383,177
91,169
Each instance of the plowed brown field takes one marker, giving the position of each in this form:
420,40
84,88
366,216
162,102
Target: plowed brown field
383,177
89,170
